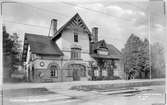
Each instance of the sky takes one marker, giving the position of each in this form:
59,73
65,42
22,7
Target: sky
116,20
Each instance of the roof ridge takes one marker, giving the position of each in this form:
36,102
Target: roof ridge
34,34
37,35
114,47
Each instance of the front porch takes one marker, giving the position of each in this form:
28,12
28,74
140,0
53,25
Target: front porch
104,68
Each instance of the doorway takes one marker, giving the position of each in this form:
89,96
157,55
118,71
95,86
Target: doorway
76,75
78,71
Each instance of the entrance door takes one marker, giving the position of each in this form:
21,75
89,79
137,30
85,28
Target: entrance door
29,75
76,75
78,71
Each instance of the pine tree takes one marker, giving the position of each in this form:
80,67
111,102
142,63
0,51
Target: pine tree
136,57
7,42
146,57
10,54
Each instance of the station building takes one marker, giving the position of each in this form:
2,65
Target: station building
70,53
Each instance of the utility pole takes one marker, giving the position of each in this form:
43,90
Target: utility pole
1,7
149,34
164,7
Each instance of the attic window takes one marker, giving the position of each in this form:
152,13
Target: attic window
75,37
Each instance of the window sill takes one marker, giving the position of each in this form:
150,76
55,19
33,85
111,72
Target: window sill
76,59
69,76
53,77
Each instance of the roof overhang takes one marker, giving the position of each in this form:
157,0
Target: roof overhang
108,57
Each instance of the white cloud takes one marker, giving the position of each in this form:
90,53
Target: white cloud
38,22
94,6
97,6
159,27
114,29
118,11
141,13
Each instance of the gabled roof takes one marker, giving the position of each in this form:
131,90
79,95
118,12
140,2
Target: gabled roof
113,52
76,16
40,44
100,44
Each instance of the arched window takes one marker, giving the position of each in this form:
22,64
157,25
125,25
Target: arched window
53,71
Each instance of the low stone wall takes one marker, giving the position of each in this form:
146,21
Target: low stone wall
119,85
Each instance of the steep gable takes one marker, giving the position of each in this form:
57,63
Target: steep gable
113,52
74,23
100,44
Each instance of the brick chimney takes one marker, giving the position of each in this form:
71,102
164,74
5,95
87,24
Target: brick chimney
95,34
53,27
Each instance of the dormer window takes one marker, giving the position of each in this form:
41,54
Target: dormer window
75,37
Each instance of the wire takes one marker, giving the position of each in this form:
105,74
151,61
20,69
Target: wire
9,21
154,12
71,4
46,10
164,6
62,14
137,7
38,8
